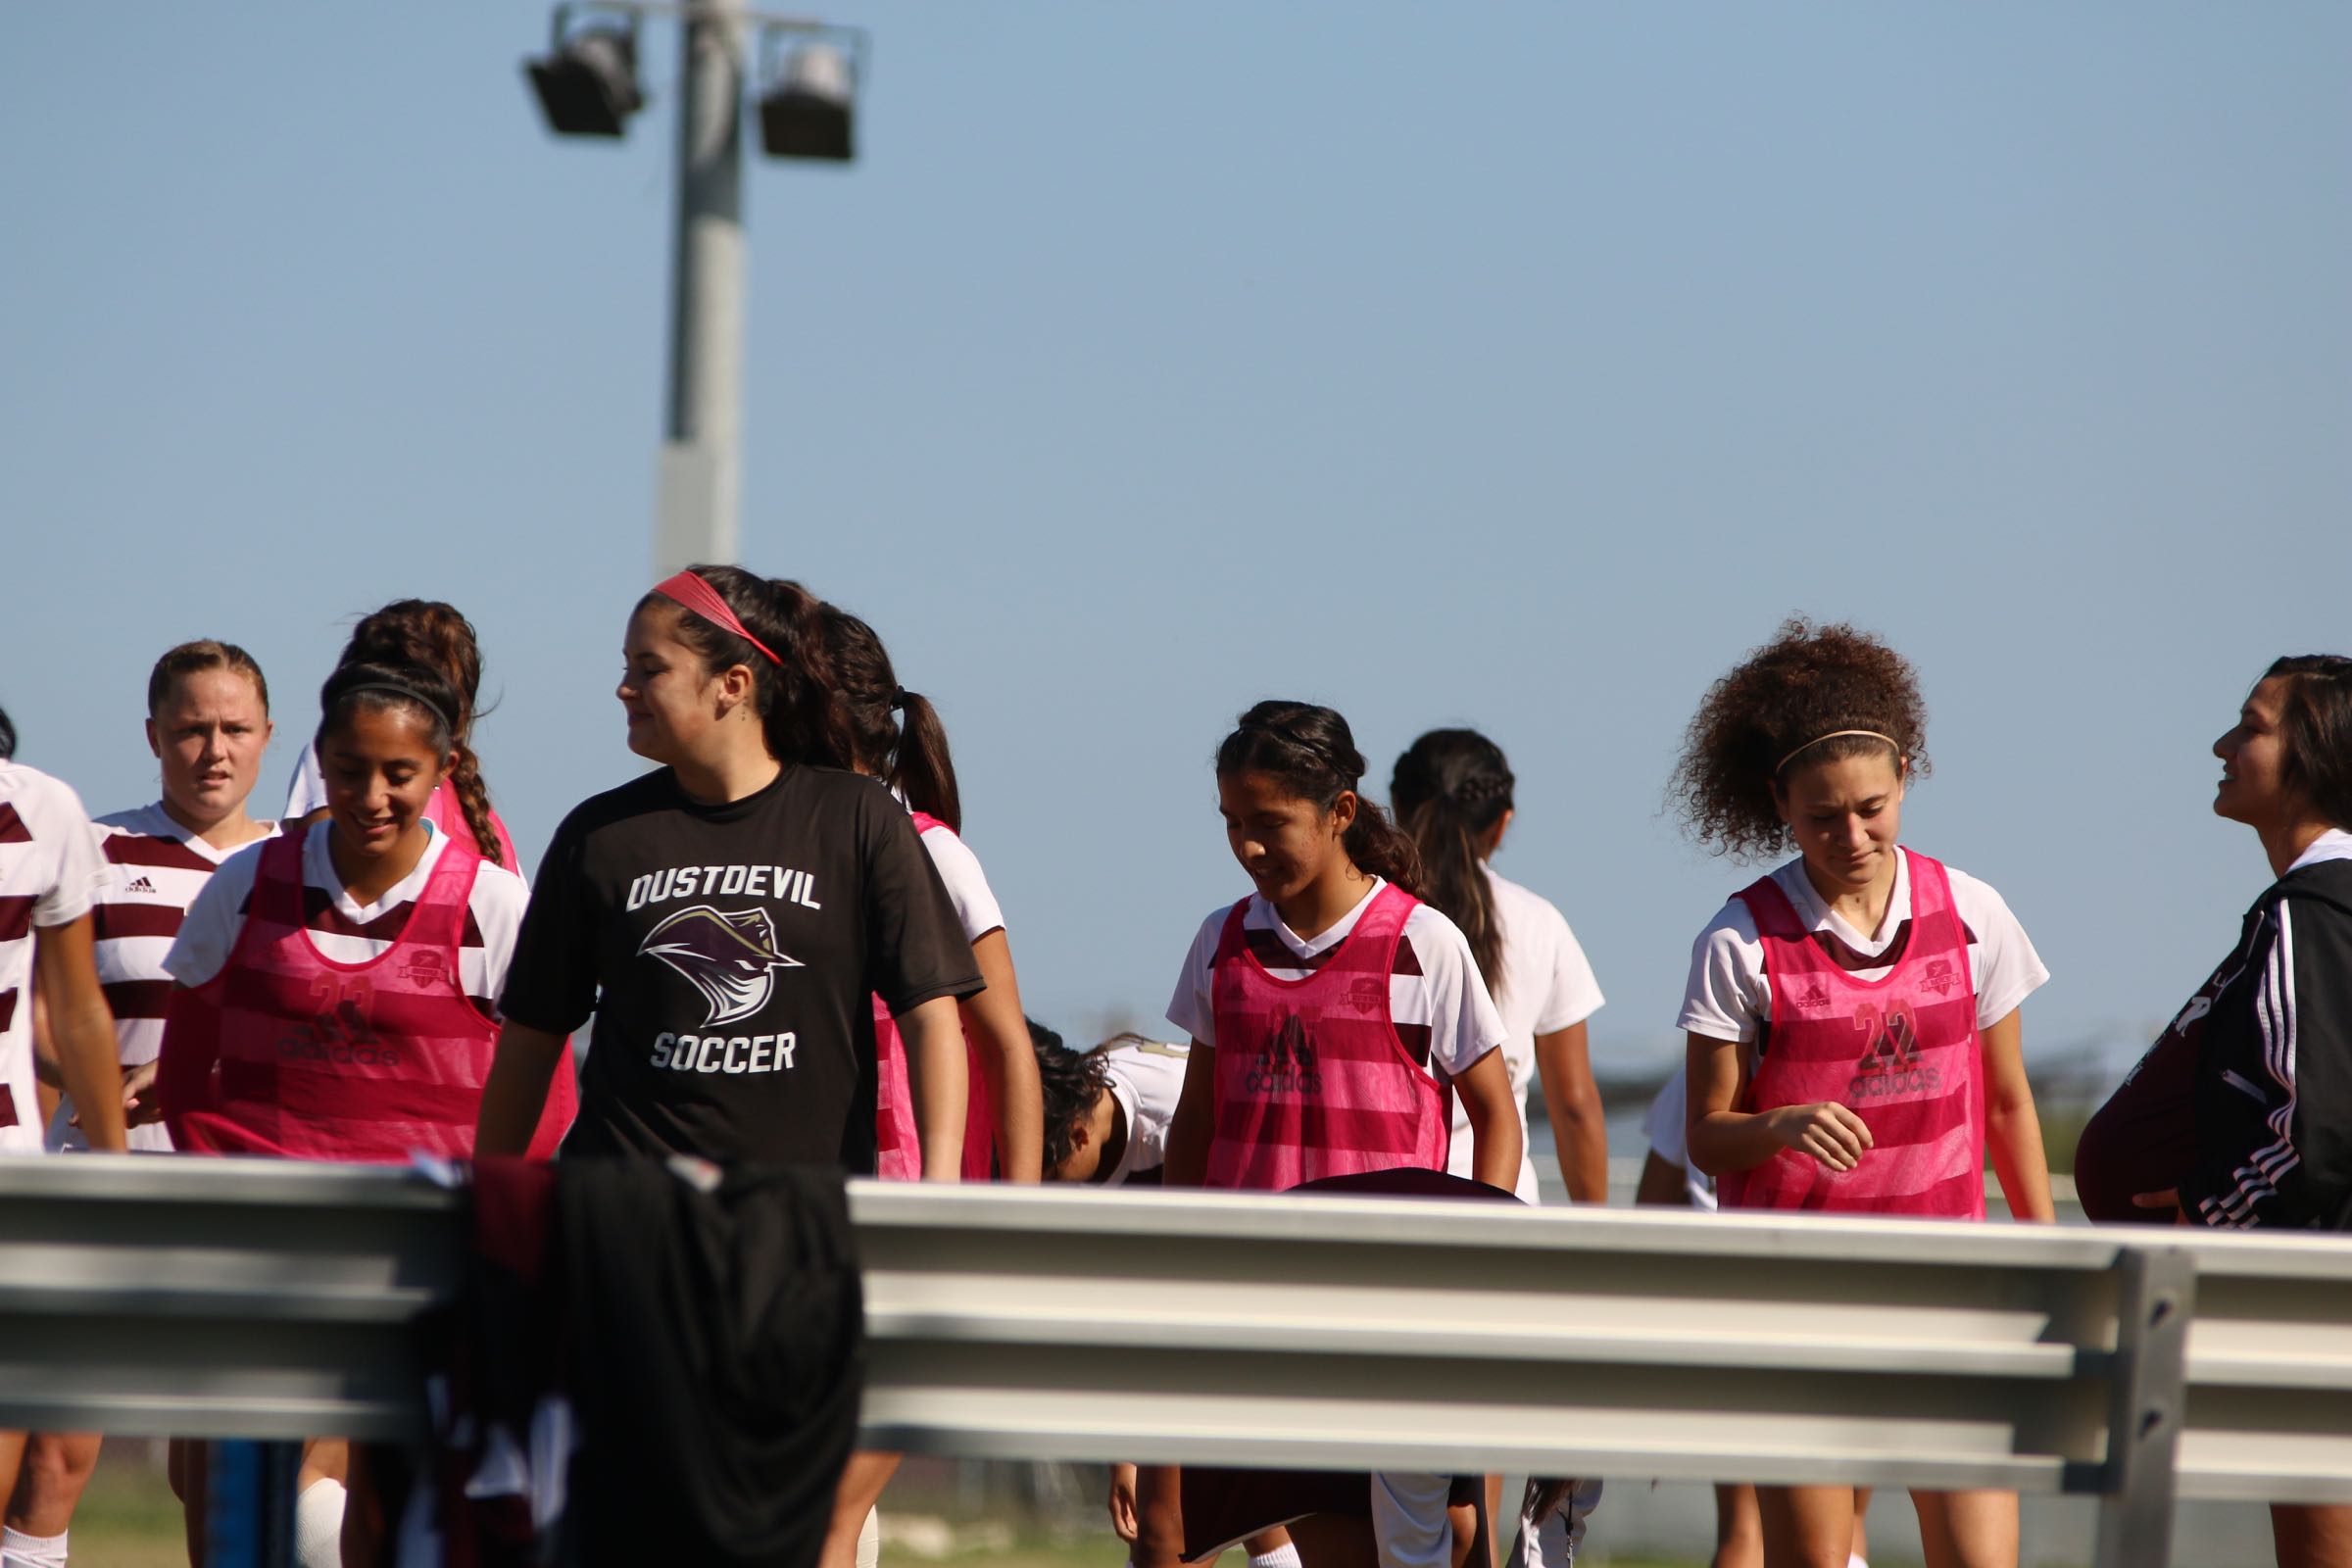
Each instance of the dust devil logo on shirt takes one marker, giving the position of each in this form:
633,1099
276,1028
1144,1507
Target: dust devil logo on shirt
1287,1067
730,958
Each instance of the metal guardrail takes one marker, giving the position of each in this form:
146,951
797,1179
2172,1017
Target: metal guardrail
263,1298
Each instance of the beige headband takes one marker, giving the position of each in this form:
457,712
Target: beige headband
1830,736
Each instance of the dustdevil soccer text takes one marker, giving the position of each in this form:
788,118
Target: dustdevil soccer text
729,956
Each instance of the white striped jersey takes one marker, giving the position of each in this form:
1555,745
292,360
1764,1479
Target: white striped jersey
1439,1004
346,932
154,869
49,876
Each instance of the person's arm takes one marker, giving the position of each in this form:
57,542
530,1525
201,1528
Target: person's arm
517,1091
1496,1144
1571,1098
999,1033
2012,1127
939,1083
1722,1139
82,1029
1194,1125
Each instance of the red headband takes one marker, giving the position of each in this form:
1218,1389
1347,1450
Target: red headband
700,597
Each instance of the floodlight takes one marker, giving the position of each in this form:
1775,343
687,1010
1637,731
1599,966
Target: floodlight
588,86
812,112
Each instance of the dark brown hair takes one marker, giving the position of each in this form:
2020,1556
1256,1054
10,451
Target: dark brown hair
370,687
1449,788
1773,711
190,658
2315,713
1071,1082
912,756
799,711
428,634
1310,752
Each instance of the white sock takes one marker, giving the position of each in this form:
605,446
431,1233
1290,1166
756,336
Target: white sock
21,1551
1285,1555
1853,1559
869,1539
319,1525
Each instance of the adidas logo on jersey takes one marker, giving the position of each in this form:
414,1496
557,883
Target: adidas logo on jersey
140,884
1889,1065
1287,1067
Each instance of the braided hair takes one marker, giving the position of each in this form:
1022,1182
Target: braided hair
1310,751
1449,788
429,634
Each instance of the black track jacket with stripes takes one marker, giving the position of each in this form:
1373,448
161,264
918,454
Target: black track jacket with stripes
2274,1095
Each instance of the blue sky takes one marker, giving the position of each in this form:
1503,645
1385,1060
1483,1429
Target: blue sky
1520,366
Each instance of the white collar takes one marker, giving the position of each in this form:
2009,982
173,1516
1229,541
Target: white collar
2333,844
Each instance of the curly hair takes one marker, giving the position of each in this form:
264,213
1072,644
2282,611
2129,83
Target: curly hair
1071,1083
1781,705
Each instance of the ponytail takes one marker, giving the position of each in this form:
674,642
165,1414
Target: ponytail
1312,753
473,799
911,754
8,737
1449,788
800,713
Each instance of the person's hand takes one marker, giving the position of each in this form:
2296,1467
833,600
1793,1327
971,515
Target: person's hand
1122,1502
141,1105
1830,1132
2170,1199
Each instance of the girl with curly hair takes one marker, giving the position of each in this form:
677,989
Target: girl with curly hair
1852,1015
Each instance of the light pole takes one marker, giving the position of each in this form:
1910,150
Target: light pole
587,86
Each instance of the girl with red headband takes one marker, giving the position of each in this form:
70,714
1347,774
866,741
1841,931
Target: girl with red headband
1852,1016
728,918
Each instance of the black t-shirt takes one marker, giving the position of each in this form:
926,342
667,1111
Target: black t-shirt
730,953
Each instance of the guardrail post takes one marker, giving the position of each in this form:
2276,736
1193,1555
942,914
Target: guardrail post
249,1504
2156,1295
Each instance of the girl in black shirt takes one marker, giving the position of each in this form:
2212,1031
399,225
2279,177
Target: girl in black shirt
727,919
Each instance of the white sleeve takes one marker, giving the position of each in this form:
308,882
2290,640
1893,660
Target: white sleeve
967,885
2010,969
209,934
496,904
1664,1126
80,868
306,792
1192,1009
1463,1024
1571,993
1727,995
